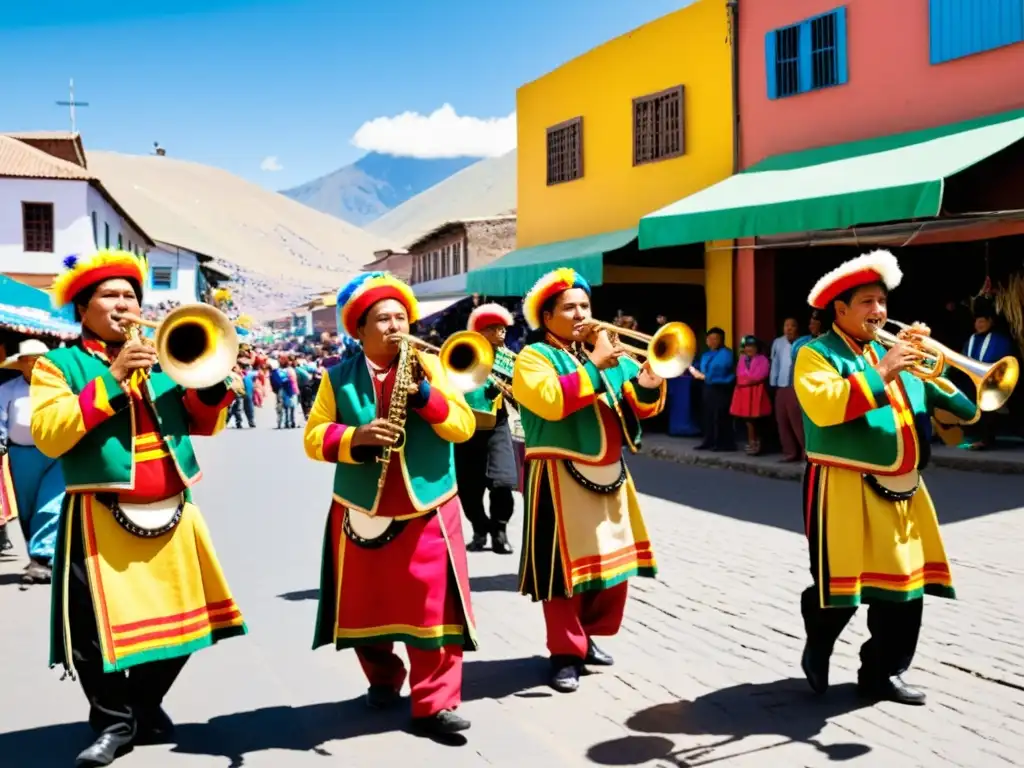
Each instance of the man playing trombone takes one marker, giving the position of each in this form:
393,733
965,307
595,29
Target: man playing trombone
581,398
871,527
486,462
136,582
394,562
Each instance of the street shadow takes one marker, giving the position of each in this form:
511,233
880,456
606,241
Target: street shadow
768,501
500,678
9,578
783,708
500,582
300,595
50,746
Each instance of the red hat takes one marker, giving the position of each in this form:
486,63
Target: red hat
487,315
875,267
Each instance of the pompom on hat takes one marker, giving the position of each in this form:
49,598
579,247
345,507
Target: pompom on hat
551,284
363,291
875,267
487,315
80,272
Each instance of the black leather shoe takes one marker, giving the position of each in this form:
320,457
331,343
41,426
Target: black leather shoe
596,657
815,670
565,674
154,727
105,750
443,723
890,689
500,543
382,697
37,573
478,543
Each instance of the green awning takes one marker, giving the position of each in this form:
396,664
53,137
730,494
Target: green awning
516,272
891,178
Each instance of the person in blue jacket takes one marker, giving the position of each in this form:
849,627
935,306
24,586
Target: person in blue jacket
717,369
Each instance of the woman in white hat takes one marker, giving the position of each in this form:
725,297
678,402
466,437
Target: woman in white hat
37,479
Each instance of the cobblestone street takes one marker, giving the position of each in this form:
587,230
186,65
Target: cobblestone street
707,668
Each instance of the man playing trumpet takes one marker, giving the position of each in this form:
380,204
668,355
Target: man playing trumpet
871,527
394,561
126,595
581,398
486,462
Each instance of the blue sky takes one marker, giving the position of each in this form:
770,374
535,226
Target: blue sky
233,82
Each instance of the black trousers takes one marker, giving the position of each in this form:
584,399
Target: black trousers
117,700
718,427
475,474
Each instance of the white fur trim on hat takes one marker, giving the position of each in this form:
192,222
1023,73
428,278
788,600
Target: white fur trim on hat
877,266
490,309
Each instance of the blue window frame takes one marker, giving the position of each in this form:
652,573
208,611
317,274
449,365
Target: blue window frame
959,28
807,56
163,278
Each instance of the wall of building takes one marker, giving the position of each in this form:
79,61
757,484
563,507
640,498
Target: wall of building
892,85
184,265
689,47
489,240
425,260
107,215
72,228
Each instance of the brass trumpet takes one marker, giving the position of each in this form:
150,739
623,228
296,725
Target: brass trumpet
670,351
196,344
467,357
994,382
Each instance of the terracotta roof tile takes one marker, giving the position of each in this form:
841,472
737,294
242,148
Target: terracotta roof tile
18,159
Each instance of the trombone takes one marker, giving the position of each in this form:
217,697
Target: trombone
669,352
994,382
466,357
196,344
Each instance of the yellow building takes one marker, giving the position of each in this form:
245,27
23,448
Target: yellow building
625,129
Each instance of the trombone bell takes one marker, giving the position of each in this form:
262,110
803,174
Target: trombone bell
467,358
197,346
670,351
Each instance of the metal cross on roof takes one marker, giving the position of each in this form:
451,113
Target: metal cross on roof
71,103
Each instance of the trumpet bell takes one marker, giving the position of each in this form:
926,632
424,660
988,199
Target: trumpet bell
671,350
994,382
467,358
197,346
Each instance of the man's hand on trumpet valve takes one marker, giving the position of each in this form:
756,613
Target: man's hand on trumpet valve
135,355
605,354
915,329
902,356
647,378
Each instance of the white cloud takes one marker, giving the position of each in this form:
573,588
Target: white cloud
443,133
270,164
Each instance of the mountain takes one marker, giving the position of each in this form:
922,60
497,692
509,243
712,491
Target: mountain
363,191
280,251
486,188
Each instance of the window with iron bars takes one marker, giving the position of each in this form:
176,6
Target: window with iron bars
37,227
565,151
658,126
807,56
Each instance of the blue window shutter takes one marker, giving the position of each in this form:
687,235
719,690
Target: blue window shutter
769,64
842,73
805,77
959,28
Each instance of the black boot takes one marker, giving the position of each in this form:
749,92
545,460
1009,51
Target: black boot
596,657
105,750
478,543
565,673
815,666
382,696
443,723
889,689
500,542
154,727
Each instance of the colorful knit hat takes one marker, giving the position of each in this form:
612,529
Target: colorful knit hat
82,271
551,284
487,315
875,267
363,291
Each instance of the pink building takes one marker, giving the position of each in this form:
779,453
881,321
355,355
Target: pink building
813,73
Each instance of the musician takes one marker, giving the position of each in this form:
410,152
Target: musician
127,593
871,527
486,462
580,399
394,561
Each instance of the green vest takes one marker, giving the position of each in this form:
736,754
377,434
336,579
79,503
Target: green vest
428,460
105,456
579,435
870,442
478,400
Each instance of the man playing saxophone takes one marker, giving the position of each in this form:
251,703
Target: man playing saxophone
394,561
871,526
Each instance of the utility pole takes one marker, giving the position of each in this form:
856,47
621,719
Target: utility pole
71,103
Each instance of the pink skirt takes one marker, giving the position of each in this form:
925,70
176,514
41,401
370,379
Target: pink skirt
751,402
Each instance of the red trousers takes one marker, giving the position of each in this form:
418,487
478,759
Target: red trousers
435,676
572,621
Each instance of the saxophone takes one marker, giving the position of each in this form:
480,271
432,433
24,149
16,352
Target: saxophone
398,407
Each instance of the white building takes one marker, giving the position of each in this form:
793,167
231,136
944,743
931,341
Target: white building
51,206
175,275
